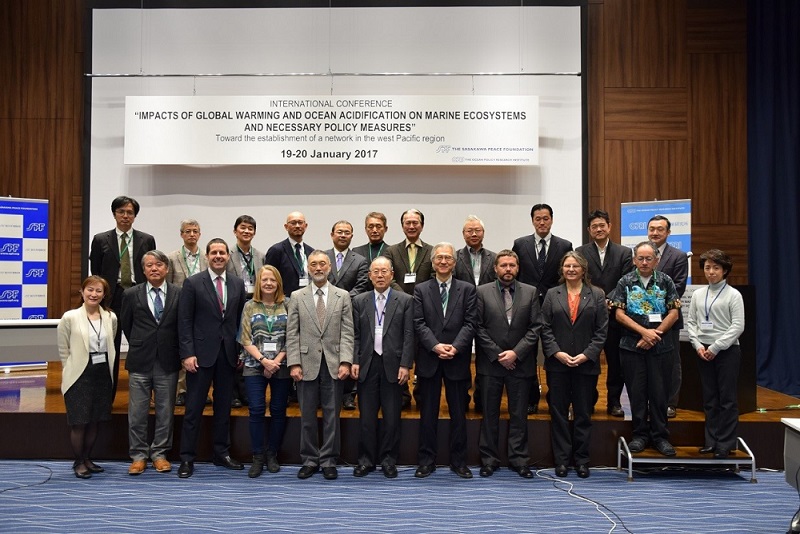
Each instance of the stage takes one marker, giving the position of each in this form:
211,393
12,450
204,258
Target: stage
33,420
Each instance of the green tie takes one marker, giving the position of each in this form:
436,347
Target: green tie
125,278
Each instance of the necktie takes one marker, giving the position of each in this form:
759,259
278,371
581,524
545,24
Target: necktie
509,302
126,280
320,307
542,255
220,295
158,304
412,255
298,254
443,285
380,307
339,259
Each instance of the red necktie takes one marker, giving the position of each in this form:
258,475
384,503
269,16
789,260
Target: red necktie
220,295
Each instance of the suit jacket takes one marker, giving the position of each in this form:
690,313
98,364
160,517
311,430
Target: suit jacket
422,264
150,342
364,251
457,327
179,270
73,344
675,264
526,249
618,262
495,334
352,277
307,343
587,335
281,256
202,327
104,257
235,263
464,266
398,333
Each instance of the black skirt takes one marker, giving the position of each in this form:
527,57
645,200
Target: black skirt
89,399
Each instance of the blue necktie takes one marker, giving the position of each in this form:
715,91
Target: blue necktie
158,305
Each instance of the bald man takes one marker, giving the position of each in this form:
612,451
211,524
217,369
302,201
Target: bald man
290,256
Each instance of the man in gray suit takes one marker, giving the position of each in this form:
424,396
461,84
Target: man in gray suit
384,352
246,259
183,263
319,353
348,272
505,356
149,319
675,264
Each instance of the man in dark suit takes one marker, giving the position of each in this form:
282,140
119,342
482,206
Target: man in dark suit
375,226
209,313
411,258
149,319
117,255
505,356
539,257
348,272
445,317
383,320
474,264
290,256
608,262
319,353
675,264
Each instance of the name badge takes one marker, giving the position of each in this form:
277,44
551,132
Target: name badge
410,278
378,331
248,286
303,282
98,357
706,325
654,317
270,346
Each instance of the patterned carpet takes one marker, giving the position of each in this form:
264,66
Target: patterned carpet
44,496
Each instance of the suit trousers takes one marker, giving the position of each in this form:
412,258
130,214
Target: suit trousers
647,377
430,393
326,391
719,379
614,381
197,385
492,394
278,400
535,394
375,393
568,387
677,375
140,387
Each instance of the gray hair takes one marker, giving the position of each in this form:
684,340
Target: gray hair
157,254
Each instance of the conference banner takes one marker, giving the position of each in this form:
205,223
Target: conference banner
23,258
332,130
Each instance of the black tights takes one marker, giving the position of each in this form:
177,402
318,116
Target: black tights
82,438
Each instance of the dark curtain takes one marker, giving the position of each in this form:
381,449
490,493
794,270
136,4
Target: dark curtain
773,161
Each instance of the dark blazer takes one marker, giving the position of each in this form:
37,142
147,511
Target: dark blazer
281,256
526,249
587,335
618,262
675,264
495,334
150,342
456,328
202,328
398,333
364,251
464,266
352,276
422,265
104,257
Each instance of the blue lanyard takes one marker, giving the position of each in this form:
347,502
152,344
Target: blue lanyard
383,311
708,308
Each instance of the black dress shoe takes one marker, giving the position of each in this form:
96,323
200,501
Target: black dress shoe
721,454
306,471
228,463
424,470
390,471
665,447
349,403
708,449
80,470
330,473
637,445
462,471
582,471
533,409
671,412
93,467
616,411
487,470
522,470
186,469
561,470
363,470
236,403
180,400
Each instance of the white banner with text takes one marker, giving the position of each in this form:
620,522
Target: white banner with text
332,130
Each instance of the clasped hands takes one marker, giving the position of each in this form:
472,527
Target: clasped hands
571,361
650,337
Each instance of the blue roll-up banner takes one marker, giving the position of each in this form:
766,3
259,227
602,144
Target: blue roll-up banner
24,227
635,215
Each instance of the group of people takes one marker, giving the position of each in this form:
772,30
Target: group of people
347,324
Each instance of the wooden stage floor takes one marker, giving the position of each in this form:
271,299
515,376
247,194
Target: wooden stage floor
32,410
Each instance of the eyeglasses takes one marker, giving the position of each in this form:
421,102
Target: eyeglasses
129,213
380,271
443,257
645,259
474,232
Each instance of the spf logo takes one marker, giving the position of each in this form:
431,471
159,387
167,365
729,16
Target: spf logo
35,227
10,294
39,316
10,248
34,273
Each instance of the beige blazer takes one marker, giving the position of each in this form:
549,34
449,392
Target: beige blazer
73,344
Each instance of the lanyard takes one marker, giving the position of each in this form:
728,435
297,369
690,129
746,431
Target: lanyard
270,319
380,316
97,332
125,248
193,269
369,250
708,306
248,264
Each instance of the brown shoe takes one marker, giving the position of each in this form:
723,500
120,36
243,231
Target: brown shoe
162,465
137,467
